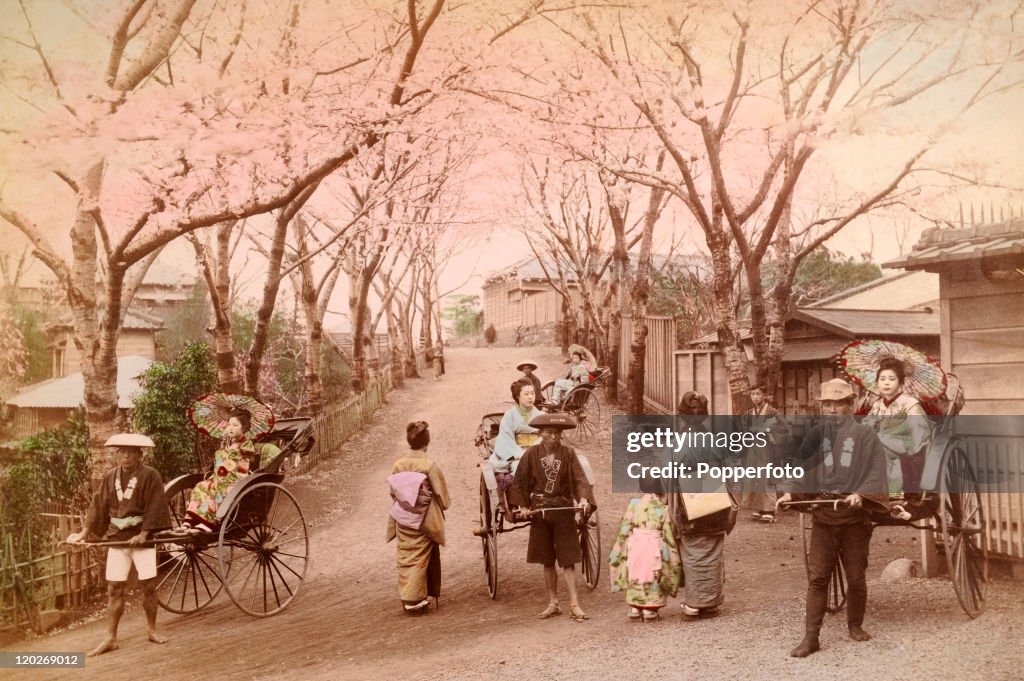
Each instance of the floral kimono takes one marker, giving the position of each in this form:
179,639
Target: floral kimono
904,429
644,559
230,463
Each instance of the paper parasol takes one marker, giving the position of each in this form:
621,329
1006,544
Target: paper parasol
925,379
587,354
210,413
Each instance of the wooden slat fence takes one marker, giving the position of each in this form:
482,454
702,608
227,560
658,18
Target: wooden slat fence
999,464
658,374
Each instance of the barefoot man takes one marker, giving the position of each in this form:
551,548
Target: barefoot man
129,506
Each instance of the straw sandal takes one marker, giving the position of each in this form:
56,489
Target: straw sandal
576,612
552,610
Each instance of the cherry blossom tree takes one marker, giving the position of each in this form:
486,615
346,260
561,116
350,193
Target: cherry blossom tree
188,148
754,104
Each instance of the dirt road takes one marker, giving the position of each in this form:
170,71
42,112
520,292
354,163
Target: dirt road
348,624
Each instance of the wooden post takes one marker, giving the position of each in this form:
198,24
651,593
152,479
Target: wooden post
929,555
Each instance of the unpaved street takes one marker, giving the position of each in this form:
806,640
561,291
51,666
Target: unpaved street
348,624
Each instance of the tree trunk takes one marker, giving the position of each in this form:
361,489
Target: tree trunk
312,384
98,359
395,349
218,281
260,334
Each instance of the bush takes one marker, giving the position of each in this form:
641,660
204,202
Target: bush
490,334
61,461
161,411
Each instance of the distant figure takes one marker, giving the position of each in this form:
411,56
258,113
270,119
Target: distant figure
438,361
528,367
578,373
759,494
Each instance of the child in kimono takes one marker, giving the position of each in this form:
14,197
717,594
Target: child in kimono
645,559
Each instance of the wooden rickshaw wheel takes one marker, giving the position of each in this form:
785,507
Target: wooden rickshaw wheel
590,547
837,583
187,575
546,392
584,405
263,549
963,531
489,539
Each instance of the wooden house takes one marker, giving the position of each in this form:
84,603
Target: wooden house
48,404
981,287
137,338
813,339
521,295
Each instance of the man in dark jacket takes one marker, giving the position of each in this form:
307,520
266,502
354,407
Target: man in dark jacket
843,459
550,476
129,506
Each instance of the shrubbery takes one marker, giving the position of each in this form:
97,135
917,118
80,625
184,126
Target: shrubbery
161,410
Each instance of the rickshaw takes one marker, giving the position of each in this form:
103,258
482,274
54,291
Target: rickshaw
497,518
259,553
581,402
951,499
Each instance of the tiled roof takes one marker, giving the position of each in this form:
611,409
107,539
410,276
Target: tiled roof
872,322
69,392
895,291
966,243
133,319
854,323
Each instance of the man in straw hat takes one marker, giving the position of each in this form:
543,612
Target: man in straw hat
129,506
528,367
844,460
551,476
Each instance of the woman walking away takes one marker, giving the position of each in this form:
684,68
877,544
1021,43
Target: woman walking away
701,539
644,558
417,519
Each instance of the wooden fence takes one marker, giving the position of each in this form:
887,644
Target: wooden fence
999,463
60,577
658,375
56,577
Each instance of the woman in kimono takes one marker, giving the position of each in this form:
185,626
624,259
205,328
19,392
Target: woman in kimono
644,559
417,519
579,371
701,540
514,432
231,463
903,427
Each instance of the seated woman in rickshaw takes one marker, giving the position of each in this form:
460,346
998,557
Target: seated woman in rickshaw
514,432
232,462
578,373
902,425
